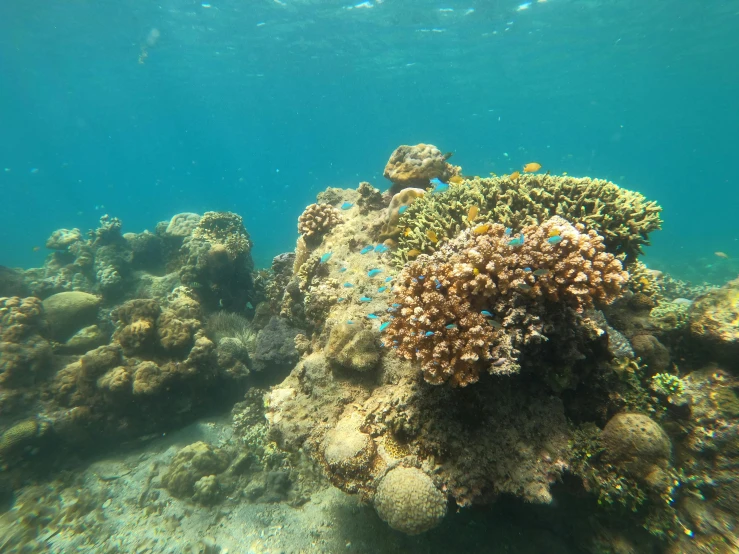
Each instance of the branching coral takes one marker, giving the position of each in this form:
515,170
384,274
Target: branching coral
485,294
316,220
623,217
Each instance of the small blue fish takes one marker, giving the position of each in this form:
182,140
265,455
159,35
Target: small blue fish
366,249
421,277
516,242
380,248
438,284
439,186
348,285
343,269
556,239
326,257
372,316
340,299
524,287
527,269
508,231
388,279
428,333
451,326
390,310
382,289
396,305
350,322
346,205
365,299
384,326
541,272
486,313
495,324
402,209
373,272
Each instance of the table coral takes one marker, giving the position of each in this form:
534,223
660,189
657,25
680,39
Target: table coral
315,221
624,218
484,295
414,166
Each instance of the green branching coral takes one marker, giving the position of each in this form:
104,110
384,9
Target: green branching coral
623,217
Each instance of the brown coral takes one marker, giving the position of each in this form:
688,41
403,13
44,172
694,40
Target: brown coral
485,294
414,166
316,220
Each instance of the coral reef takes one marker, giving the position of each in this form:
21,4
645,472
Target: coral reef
315,221
398,204
486,294
413,166
24,354
714,320
194,471
624,218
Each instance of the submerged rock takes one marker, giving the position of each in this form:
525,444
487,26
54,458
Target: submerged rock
67,312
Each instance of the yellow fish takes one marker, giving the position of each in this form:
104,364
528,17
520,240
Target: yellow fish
414,253
472,214
475,271
432,236
515,175
38,248
493,174
456,180
407,231
723,255
480,229
531,167
564,173
554,232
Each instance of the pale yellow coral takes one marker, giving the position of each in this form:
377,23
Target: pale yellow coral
316,220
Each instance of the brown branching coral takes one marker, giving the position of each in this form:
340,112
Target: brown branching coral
487,293
316,220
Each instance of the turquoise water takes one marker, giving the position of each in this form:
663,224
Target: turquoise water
143,110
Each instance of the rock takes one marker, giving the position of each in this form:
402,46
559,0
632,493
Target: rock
84,340
67,312
11,282
276,345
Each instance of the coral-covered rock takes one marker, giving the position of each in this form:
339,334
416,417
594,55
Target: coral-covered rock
414,166
408,501
24,354
347,450
193,472
316,220
62,239
353,347
482,297
714,319
67,312
275,345
652,352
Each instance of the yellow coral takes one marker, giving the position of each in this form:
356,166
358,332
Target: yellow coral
316,220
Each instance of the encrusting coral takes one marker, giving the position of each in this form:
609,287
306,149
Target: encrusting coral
315,221
484,295
624,218
414,166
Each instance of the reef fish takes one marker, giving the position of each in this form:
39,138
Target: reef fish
367,249
518,241
343,269
388,279
432,236
373,272
326,257
494,323
481,229
365,299
346,205
486,313
348,285
402,209
531,167
524,287
350,322
414,253
456,180
555,239
541,272
407,231
384,326
508,231
450,326
372,316
382,289
515,175
428,333
439,185
472,213
723,255
380,248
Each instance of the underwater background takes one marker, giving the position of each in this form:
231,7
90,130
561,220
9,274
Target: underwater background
142,110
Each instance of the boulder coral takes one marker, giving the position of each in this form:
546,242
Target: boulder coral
414,166
482,297
398,204
193,473
622,217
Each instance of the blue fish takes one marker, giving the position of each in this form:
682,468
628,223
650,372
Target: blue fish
439,185
346,205
350,322
382,289
508,231
388,279
517,241
486,313
348,285
380,248
421,277
428,333
343,269
372,316
373,272
438,284
396,305
384,326
451,326
554,240
366,249
340,299
402,209
390,310
365,299
326,257
527,269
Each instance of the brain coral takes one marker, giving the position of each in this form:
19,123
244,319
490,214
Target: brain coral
624,218
485,294
408,501
413,166
316,220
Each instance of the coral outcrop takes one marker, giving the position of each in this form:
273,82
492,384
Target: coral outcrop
315,221
481,298
624,218
414,166
714,320
194,473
